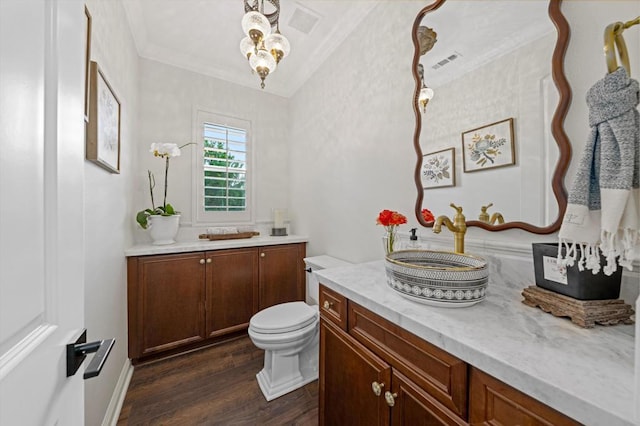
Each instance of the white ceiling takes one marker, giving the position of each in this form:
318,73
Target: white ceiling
204,36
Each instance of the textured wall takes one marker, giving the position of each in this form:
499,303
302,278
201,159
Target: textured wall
108,206
167,98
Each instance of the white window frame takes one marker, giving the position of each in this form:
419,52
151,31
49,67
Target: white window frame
200,216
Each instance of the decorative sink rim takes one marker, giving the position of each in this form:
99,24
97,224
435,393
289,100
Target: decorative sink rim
438,285
482,263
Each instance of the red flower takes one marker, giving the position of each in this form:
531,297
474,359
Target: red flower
390,218
427,215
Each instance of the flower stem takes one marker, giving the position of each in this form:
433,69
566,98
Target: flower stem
166,173
152,184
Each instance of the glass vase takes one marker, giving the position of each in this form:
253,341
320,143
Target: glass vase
389,240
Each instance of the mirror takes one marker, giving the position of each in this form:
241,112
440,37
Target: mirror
499,100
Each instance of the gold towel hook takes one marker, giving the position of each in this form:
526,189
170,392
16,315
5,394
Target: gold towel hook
613,38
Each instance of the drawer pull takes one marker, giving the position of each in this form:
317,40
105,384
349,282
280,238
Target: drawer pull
327,304
202,261
208,260
390,398
377,388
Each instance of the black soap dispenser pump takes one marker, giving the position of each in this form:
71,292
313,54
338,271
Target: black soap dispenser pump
413,239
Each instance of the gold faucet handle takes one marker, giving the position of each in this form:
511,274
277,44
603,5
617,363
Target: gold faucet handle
483,209
458,209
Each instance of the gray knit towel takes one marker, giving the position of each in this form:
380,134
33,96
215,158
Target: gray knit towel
603,211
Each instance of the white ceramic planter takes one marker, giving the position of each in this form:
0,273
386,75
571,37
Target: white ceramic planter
163,229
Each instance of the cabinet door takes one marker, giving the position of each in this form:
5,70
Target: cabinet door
167,303
492,402
413,406
281,274
347,372
232,290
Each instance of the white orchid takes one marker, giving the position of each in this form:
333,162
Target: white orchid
166,151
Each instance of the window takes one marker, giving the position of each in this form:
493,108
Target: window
223,176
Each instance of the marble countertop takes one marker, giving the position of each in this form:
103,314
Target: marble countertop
203,245
587,374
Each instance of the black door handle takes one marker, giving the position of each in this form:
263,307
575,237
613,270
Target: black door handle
78,350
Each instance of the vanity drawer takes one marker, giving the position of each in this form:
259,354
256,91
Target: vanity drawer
333,307
493,402
442,375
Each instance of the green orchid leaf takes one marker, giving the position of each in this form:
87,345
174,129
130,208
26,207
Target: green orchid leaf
169,210
142,217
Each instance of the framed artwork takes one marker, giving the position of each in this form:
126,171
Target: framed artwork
86,63
489,146
103,128
439,169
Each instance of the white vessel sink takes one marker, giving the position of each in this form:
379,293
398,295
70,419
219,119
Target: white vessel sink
438,278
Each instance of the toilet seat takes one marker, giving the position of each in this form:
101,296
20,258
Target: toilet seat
283,318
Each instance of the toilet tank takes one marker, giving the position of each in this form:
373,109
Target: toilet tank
317,263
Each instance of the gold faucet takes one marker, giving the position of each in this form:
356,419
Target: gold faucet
458,227
484,216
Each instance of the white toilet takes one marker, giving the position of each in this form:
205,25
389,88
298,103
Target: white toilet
289,335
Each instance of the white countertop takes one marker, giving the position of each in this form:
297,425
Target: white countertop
203,245
586,374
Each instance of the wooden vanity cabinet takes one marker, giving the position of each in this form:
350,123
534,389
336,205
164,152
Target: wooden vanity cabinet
364,373
178,302
420,384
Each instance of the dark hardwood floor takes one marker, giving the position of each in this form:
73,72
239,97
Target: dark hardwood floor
213,386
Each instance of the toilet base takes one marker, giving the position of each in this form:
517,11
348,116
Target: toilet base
285,373
272,391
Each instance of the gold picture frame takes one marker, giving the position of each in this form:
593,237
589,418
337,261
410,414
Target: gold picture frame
103,128
489,146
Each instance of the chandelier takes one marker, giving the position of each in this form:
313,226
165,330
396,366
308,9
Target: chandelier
263,48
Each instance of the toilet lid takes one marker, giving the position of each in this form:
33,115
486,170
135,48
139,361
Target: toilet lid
283,318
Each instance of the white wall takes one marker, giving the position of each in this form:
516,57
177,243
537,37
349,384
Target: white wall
108,206
168,96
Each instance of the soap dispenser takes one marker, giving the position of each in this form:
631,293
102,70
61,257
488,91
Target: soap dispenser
413,240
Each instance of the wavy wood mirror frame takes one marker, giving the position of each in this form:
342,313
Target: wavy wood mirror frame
557,130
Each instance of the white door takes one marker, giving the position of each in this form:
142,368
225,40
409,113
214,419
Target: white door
41,211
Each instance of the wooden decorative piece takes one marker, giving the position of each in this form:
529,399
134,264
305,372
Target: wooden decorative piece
585,313
215,237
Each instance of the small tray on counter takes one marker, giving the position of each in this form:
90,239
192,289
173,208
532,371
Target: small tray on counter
239,235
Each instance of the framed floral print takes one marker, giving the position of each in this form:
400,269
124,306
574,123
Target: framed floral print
103,128
489,146
439,169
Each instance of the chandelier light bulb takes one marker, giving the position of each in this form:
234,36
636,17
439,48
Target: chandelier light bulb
247,47
263,63
256,26
278,45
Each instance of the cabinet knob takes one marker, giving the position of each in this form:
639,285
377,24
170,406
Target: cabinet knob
262,254
208,260
377,388
390,398
202,261
328,305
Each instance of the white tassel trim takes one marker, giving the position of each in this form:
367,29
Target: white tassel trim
620,248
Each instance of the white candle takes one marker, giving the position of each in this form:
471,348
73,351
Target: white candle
278,218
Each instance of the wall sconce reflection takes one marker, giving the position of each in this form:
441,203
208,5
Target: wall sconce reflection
426,93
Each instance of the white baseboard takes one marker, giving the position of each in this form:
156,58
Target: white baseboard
117,399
